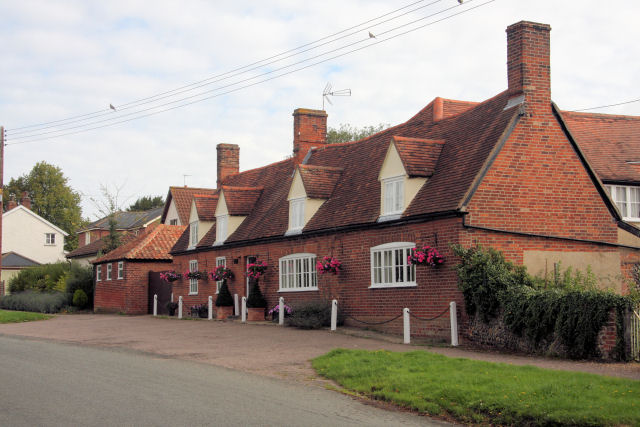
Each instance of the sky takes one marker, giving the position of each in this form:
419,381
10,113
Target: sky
66,61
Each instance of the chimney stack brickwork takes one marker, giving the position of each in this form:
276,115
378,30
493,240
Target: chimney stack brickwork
309,130
12,203
25,201
228,161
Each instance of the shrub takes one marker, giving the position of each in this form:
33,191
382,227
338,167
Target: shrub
224,298
80,278
172,307
40,302
313,314
256,299
40,278
80,298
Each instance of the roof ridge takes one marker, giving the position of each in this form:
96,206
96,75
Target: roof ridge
333,168
411,139
241,188
601,115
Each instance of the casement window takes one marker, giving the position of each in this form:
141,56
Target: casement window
87,237
222,225
627,198
298,273
193,283
220,261
109,271
49,239
296,214
393,189
193,234
98,273
121,270
390,267
173,222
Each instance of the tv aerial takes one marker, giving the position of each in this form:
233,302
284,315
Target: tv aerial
327,92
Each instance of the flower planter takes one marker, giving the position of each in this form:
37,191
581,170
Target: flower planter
223,312
255,314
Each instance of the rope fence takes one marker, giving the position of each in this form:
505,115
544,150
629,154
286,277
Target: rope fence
373,323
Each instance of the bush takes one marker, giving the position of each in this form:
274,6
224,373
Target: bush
256,299
80,277
40,278
39,302
312,314
172,307
80,298
224,298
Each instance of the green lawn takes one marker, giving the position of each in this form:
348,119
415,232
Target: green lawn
484,392
8,316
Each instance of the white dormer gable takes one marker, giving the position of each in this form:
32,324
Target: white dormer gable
226,224
172,217
301,207
197,227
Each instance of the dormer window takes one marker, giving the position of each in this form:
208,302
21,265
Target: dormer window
193,235
222,227
393,190
296,214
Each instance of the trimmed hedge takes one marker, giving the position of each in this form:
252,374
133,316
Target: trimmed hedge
313,314
39,302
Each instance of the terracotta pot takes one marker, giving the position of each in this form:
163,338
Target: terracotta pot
223,313
255,314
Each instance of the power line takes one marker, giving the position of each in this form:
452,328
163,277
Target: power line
605,106
378,41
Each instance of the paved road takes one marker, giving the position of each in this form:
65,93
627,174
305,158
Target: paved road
50,384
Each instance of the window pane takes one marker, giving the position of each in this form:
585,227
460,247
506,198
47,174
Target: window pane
634,202
621,200
399,277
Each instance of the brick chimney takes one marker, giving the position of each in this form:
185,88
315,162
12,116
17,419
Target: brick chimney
528,63
12,203
228,161
25,201
309,130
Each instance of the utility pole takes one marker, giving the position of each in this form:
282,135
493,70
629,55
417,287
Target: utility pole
2,290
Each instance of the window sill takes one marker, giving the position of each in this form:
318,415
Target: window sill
394,285
298,290
193,293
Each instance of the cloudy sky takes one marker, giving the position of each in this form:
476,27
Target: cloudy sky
63,63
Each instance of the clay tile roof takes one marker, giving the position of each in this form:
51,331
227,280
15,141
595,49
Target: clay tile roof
319,181
609,143
153,245
240,200
182,197
419,156
206,206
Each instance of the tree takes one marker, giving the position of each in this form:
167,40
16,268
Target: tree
346,133
146,203
109,206
52,198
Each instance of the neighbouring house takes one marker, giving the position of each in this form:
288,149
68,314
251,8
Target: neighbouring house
129,224
507,173
12,264
177,207
122,275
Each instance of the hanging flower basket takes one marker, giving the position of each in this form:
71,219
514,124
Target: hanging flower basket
198,275
426,256
170,276
256,269
328,264
221,273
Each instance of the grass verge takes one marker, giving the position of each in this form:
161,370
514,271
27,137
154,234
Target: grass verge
480,392
20,316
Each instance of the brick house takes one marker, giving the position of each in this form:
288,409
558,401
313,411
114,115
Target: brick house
122,275
177,207
506,173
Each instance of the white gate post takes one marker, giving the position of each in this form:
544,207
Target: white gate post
180,307
334,314
453,313
155,304
281,311
406,325
244,309
171,296
210,307
236,310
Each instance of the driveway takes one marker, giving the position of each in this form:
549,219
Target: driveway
261,348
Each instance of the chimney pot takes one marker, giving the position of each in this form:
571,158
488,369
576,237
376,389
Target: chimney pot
25,201
309,131
228,161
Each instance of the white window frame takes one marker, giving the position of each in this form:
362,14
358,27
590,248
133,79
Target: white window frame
393,191
193,283
298,273
120,270
222,228
296,214
624,206
98,273
385,268
87,238
220,261
109,271
50,239
193,234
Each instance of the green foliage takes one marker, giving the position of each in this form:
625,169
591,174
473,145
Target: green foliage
80,299
346,133
146,203
477,392
51,197
312,314
256,299
113,239
38,278
224,298
20,316
80,277
39,302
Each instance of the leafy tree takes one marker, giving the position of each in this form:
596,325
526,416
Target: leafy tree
346,133
109,206
52,198
146,203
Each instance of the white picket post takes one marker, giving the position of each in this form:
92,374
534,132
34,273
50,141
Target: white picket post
171,296
281,311
210,307
236,310
453,314
407,326
244,309
180,307
155,304
334,314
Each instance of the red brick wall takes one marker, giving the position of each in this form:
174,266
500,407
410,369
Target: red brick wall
128,295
